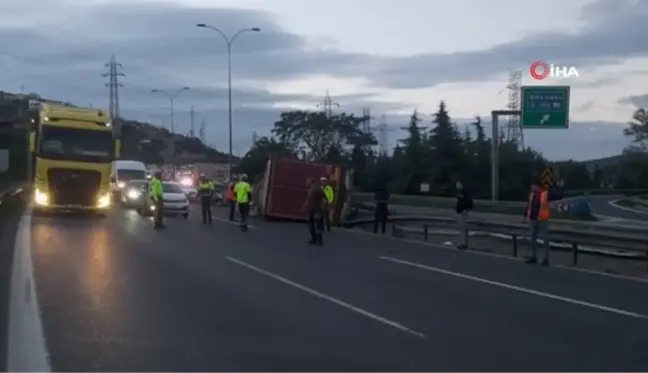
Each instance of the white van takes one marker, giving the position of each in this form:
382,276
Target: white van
124,171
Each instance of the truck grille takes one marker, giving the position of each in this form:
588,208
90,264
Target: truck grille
73,187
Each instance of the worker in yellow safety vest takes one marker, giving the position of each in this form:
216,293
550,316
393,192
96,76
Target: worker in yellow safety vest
156,192
243,192
230,197
330,199
206,192
537,215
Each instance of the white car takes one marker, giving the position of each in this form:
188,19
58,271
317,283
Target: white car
174,200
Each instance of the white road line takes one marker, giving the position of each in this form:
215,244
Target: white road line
517,288
27,351
328,298
616,205
223,220
499,256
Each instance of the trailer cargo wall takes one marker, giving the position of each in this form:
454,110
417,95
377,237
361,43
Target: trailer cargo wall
287,187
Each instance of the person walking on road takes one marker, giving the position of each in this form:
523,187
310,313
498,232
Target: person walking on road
381,199
329,193
537,216
315,205
156,193
206,192
243,192
464,204
230,197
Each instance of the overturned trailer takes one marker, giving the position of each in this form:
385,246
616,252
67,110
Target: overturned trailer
280,192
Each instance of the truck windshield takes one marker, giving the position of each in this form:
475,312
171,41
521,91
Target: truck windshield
71,144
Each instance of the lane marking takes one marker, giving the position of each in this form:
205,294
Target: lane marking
338,302
223,220
517,288
27,350
499,256
624,208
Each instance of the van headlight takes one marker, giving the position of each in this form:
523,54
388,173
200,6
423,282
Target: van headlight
134,194
41,198
104,201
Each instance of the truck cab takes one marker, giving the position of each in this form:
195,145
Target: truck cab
73,150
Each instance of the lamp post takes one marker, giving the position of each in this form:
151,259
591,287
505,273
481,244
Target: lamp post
228,41
171,95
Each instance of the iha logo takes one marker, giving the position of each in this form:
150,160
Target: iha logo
541,70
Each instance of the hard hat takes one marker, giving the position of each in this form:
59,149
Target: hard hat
323,178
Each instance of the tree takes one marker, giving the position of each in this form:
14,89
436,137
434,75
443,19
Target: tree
255,160
447,151
414,156
319,136
638,130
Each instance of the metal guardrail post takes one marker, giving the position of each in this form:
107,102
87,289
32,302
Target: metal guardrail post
515,245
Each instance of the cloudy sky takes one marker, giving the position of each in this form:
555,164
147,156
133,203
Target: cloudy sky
390,55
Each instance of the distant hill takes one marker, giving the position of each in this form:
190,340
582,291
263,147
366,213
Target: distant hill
146,142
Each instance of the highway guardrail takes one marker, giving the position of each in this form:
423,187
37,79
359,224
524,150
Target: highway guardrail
564,209
627,238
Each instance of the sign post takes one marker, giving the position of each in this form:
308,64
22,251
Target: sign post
545,107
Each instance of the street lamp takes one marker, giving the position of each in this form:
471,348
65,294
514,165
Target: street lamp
171,95
228,41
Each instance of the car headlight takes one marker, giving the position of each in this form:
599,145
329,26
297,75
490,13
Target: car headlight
41,198
134,194
104,201
121,184
152,207
186,182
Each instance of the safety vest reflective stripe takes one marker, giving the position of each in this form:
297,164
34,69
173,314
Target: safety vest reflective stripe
544,212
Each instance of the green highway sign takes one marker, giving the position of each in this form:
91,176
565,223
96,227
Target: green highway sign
545,107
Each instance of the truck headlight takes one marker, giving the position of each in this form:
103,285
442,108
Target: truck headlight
104,201
134,194
41,198
121,185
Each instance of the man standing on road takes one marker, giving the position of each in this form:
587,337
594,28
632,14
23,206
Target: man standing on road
381,199
206,191
330,198
315,205
464,204
156,193
537,215
230,197
243,192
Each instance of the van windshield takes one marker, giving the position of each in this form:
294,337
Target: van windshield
126,175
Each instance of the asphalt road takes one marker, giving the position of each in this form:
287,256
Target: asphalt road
115,295
602,206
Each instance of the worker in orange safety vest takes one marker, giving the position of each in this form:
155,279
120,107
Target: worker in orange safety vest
537,216
230,196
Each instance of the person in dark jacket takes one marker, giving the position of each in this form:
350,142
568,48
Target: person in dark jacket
314,206
464,204
381,198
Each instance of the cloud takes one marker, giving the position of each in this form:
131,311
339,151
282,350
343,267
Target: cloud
62,55
640,101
